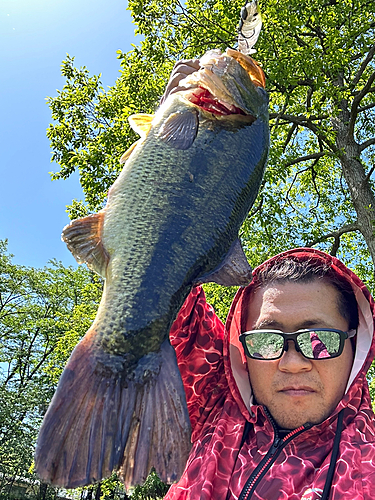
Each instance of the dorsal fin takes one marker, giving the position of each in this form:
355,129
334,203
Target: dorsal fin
83,238
128,152
141,123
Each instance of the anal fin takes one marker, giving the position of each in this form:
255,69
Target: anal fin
83,238
233,271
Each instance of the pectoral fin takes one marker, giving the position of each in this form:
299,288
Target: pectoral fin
233,271
180,129
83,238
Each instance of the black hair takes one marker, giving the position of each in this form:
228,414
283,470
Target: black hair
291,269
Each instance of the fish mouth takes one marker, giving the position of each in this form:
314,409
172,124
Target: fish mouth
253,68
211,88
205,100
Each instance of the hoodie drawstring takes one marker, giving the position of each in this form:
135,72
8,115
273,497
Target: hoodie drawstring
335,451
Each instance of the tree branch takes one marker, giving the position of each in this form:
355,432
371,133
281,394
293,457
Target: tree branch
292,129
357,99
366,144
45,356
310,92
299,119
291,186
369,174
320,34
280,114
306,122
256,209
348,228
363,66
313,156
356,92
194,19
365,108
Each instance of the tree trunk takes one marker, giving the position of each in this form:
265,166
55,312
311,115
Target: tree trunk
43,491
98,491
355,176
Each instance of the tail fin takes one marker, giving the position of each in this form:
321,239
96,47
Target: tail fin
99,422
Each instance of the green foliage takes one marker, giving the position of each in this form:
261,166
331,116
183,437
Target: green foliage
91,131
314,58
112,489
318,60
312,54
151,489
371,380
220,298
107,489
43,314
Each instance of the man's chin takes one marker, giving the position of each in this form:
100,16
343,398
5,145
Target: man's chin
297,415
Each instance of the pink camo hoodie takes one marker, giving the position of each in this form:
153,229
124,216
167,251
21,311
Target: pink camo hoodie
236,452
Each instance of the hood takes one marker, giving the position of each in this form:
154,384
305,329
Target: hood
235,360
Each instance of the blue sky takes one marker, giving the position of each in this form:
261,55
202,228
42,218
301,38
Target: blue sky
35,36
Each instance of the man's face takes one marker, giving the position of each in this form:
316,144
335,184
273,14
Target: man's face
297,390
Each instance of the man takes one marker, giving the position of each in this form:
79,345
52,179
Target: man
278,399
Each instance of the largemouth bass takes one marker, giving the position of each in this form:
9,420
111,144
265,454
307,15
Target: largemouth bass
172,220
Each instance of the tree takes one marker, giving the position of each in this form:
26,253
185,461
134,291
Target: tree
318,59
43,314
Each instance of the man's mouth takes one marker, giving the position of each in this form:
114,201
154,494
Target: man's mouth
298,391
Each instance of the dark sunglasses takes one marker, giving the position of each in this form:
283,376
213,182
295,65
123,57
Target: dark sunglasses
315,343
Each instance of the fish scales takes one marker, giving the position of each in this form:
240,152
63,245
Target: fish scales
171,220
176,232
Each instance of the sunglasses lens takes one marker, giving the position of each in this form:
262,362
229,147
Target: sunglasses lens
319,344
265,345
313,344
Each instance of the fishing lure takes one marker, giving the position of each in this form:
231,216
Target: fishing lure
249,27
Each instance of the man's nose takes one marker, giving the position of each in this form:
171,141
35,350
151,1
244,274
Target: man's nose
292,361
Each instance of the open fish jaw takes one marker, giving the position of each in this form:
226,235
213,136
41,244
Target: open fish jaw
215,87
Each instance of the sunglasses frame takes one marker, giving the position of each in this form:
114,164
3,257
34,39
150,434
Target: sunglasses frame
293,336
